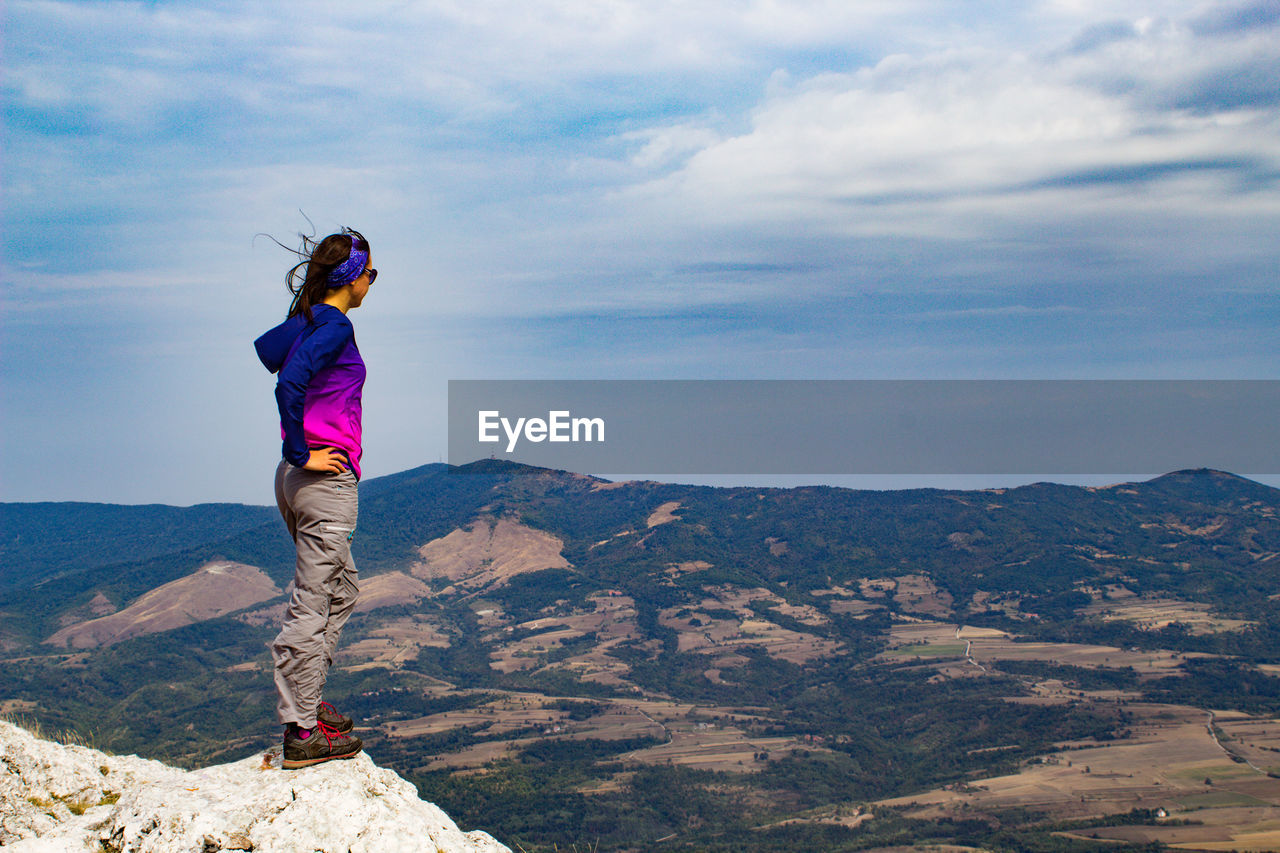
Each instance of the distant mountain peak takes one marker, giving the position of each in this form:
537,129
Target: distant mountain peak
506,466
1191,475
1210,484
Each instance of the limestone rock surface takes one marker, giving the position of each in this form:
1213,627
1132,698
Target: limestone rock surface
56,797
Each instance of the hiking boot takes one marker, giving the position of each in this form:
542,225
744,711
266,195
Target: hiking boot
321,744
329,715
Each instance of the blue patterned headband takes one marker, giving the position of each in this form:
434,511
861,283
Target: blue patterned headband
350,269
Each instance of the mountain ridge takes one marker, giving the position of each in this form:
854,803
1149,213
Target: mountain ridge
403,512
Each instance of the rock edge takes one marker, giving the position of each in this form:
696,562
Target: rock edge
56,797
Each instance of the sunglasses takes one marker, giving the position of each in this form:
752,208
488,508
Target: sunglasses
372,273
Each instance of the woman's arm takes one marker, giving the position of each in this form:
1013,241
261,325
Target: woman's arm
317,352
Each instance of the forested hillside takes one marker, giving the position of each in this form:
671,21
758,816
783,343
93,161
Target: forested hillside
561,660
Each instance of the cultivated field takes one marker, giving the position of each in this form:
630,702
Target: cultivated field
1172,761
699,738
393,644
1208,768
1152,614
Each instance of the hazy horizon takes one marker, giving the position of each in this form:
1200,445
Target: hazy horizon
869,482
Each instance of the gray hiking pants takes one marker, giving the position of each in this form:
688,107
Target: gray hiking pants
320,510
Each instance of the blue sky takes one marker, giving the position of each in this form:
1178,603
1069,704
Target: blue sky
633,189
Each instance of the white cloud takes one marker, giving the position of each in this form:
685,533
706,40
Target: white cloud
661,146
940,143
124,60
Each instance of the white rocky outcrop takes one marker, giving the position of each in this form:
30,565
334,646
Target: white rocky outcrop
70,798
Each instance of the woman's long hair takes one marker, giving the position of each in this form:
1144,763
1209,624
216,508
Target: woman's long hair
308,281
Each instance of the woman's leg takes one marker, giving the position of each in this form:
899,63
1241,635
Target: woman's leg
320,509
343,592
341,604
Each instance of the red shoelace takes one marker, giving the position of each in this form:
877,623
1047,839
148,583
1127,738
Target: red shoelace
328,731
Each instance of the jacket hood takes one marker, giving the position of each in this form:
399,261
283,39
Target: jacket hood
273,347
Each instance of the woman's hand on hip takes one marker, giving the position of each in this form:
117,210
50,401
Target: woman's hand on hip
326,459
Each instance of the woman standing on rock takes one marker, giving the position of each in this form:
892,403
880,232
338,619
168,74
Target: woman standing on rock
321,375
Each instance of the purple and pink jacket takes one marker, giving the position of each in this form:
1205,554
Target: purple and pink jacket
320,379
